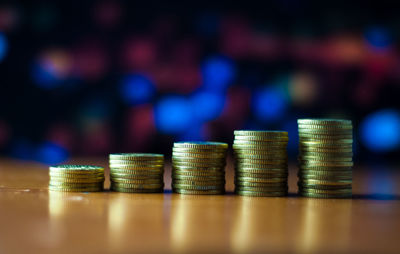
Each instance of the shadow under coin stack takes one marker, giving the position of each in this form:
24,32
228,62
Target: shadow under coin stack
261,167
325,158
199,167
137,172
79,178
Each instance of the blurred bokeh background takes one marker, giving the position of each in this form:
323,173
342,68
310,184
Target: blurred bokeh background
86,78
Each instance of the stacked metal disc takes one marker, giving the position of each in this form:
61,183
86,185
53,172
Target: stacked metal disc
325,158
261,167
199,167
137,172
82,178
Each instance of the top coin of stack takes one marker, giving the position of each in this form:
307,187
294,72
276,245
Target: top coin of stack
261,167
137,172
325,158
199,167
82,178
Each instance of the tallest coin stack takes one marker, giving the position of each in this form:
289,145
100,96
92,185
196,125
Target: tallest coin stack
325,158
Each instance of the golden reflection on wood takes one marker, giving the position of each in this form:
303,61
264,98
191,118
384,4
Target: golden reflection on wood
34,220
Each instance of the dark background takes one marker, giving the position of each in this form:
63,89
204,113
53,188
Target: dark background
86,78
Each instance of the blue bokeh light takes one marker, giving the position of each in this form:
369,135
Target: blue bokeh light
50,153
3,46
136,89
269,104
173,115
380,131
218,72
207,105
44,77
378,37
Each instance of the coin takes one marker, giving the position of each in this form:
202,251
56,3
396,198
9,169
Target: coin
137,186
200,144
261,194
262,138
137,156
138,181
199,155
199,182
196,187
135,163
77,180
199,192
135,190
330,122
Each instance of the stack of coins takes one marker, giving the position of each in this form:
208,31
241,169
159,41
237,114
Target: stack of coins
199,167
137,172
81,178
325,158
261,167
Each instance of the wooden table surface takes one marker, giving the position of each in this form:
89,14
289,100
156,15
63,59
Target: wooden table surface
34,220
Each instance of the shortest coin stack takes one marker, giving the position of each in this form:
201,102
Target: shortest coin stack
325,158
79,178
199,167
261,167
137,172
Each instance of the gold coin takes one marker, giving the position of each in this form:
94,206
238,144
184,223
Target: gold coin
199,150
323,121
312,141
325,158
328,164
199,192
77,180
260,133
261,189
137,181
315,195
198,178
179,164
136,177
323,150
261,175
137,186
317,191
261,180
197,187
137,163
199,182
136,172
240,161
262,147
260,152
200,144
199,155
261,157
325,137
134,190
197,174
76,176
262,138
305,182
326,176
261,194
319,154
137,156
240,142
259,167
76,169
